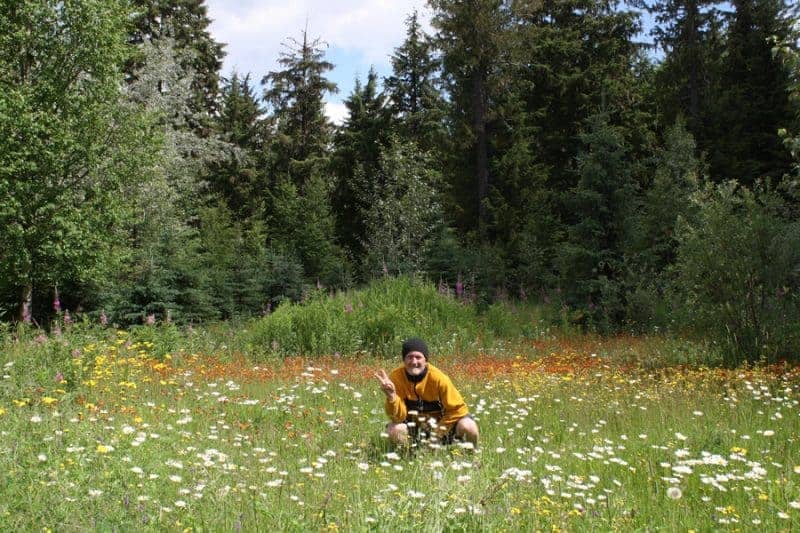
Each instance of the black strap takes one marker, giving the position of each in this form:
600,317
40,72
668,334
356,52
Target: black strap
423,407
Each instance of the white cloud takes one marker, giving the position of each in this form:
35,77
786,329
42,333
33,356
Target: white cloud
336,112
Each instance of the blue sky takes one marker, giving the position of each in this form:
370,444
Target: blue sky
359,34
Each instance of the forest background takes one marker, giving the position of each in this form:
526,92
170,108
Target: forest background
534,152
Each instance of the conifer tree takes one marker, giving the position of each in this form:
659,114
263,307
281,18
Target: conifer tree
751,96
300,219
470,35
186,22
240,179
402,214
563,61
413,88
358,144
166,272
687,31
590,260
296,97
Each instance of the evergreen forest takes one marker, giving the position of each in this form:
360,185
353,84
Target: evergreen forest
632,177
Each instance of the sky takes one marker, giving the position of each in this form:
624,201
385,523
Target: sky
359,34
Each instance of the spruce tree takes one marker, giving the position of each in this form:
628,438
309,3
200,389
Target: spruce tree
470,35
402,213
563,61
413,88
186,22
590,260
686,31
358,144
299,206
296,97
751,97
166,272
240,179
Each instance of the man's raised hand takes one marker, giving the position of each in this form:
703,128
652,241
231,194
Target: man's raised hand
386,384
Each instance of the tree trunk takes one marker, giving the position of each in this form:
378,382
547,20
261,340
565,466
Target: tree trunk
26,300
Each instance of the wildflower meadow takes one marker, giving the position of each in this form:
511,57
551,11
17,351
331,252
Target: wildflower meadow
119,436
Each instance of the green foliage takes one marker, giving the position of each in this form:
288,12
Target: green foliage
300,220
737,273
413,88
185,23
373,320
172,267
365,134
589,261
296,95
302,225
472,39
650,241
786,50
402,213
69,145
688,33
513,153
238,263
239,180
744,145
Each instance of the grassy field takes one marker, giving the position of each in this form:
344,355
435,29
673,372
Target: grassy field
576,435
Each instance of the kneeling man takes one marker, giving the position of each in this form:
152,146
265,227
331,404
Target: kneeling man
421,400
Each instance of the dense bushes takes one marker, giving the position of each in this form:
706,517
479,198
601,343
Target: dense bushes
738,273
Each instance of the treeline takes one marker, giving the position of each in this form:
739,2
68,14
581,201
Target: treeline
522,150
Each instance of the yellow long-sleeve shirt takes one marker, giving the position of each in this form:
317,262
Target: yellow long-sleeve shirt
434,387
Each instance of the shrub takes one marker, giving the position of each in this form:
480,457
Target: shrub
373,320
738,273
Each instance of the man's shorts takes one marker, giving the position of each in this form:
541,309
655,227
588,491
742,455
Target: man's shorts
419,430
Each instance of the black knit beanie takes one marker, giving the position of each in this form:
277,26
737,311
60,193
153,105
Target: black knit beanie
415,345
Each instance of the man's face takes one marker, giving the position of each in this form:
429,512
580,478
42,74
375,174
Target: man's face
415,363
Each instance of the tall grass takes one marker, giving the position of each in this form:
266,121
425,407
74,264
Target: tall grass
375,320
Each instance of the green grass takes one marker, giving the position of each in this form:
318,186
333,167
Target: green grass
220,428
570,441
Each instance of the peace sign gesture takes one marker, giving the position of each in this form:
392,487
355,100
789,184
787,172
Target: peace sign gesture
386,384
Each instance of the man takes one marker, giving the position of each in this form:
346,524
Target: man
421,399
